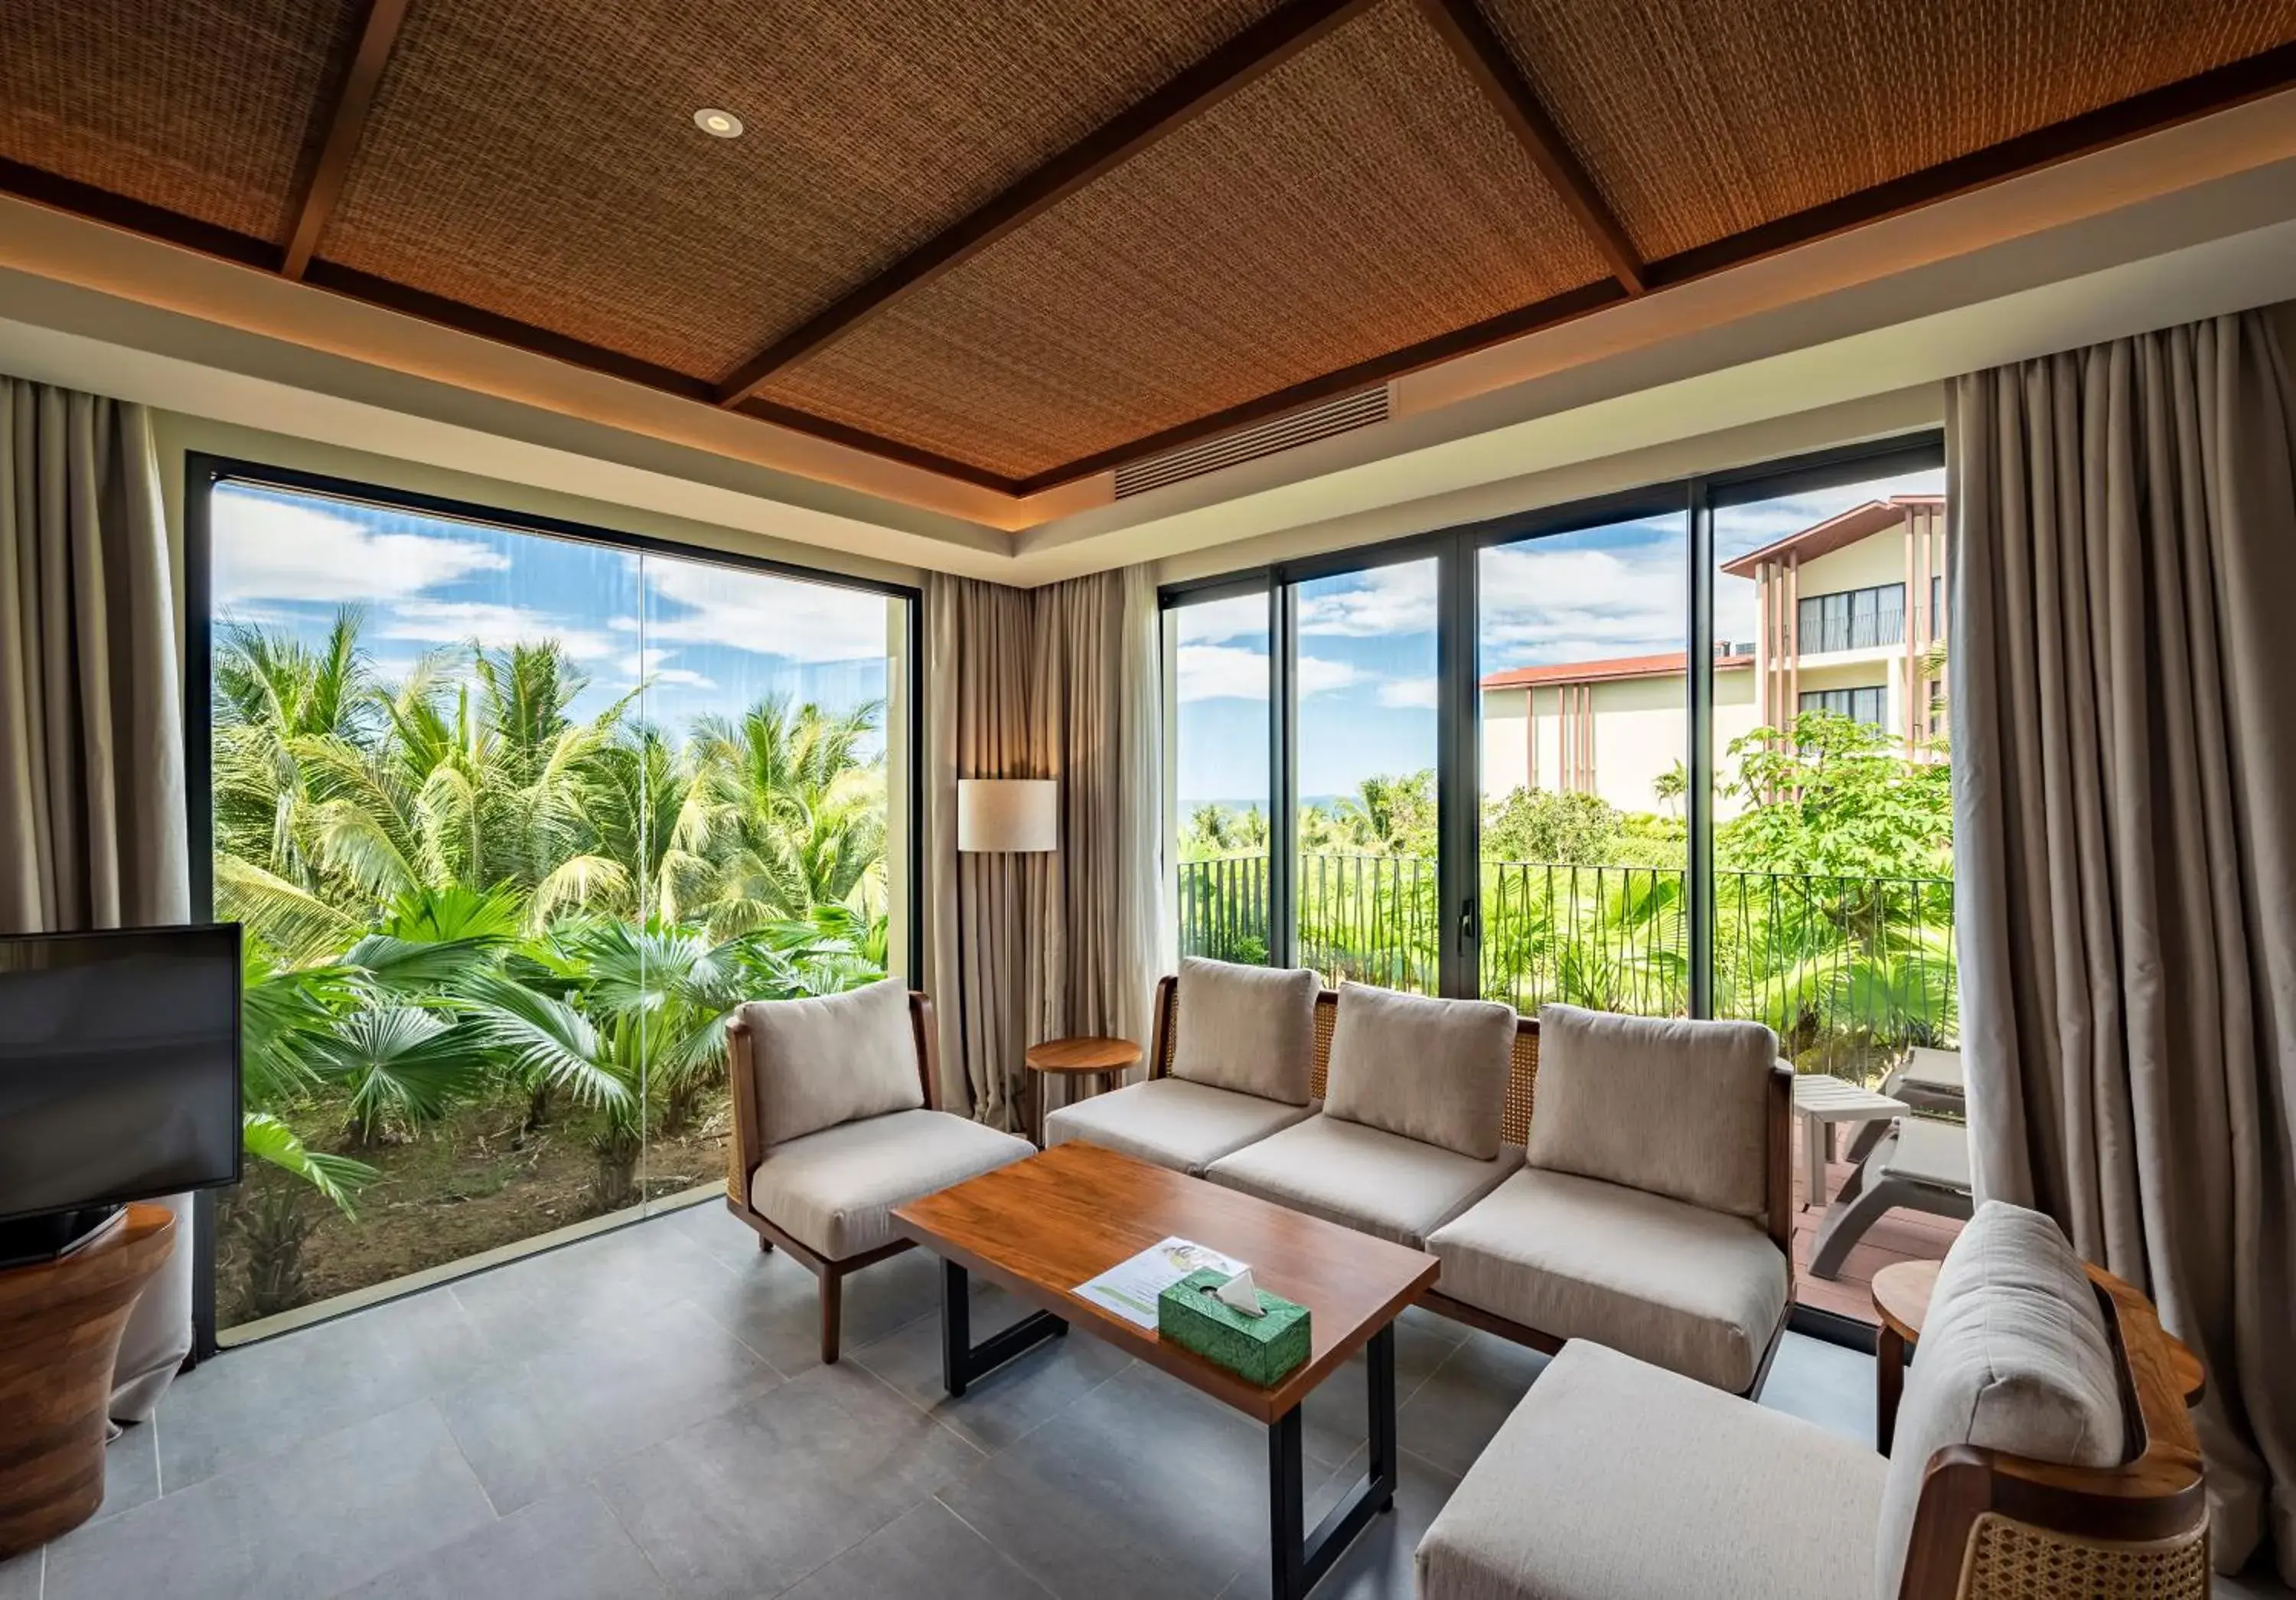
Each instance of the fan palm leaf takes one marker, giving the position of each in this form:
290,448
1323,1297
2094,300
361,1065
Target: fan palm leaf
338,1177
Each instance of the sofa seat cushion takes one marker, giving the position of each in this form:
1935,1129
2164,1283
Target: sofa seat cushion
1172,1122
834,1191
1615,1480
1698,1292
1363,1178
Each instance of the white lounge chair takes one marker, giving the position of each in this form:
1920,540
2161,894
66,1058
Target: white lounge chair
1922,1165
1929,1080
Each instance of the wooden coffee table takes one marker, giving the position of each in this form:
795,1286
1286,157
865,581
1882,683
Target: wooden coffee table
1042,1225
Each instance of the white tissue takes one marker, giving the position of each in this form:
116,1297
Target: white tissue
1241,1294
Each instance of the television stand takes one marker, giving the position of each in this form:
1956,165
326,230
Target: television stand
30,1240
60,1326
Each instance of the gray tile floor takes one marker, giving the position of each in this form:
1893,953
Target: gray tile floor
644,1414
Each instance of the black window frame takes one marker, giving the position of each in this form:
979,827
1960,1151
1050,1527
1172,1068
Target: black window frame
1835,614
1844,701
203,470
1458,741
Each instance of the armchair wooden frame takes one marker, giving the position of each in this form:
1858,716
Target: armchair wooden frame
1988,1522
1522,1083
747,1153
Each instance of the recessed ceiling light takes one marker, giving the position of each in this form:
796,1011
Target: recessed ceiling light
717,124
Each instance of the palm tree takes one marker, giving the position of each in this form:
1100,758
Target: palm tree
273,697
1671,785
440,878
790,818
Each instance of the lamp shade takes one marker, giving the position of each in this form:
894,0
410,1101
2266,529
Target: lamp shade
1008,814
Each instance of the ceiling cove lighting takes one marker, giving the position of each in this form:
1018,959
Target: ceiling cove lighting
717,124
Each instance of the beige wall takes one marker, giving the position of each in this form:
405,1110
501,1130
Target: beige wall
1876,559
1641,730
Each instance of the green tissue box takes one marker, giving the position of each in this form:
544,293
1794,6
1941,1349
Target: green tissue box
1260,1349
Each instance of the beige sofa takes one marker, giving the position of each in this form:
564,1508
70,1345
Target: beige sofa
2043,1448
1647,1206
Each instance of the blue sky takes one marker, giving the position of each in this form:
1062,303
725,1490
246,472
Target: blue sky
708,639
1367,640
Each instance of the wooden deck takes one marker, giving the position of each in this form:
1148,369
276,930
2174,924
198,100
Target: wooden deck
1899,1236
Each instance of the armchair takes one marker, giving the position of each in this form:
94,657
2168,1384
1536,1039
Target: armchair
837,1119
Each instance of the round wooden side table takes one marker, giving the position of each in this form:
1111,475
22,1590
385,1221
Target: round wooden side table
1901,1299
60,1326
1071,1059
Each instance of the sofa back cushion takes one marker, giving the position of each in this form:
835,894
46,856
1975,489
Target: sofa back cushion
833,1059
2014,1355
1663,1104
1434,1070
1250,1028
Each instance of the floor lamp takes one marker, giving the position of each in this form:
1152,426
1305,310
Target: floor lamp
1007,817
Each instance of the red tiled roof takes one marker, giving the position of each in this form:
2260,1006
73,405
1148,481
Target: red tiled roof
1835,533
1669,665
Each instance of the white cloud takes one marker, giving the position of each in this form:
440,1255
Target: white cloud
276,550
1218,621
495,628
1551,602
711,604
1230,672
1386,600
1413,693
648,665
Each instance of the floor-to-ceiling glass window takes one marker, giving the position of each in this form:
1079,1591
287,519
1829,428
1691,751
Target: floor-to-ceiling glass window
513,818
1219,789
1584,697
1832,843
1364,759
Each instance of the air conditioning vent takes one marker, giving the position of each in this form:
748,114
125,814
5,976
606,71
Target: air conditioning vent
1322,419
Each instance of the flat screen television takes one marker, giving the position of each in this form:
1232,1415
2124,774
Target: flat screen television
118,1074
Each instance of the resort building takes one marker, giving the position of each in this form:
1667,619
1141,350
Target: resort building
1853,618
1852,611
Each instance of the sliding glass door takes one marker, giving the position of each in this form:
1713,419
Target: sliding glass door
514,814
1611,754
1218,673
1585,708
1833,844
1364,761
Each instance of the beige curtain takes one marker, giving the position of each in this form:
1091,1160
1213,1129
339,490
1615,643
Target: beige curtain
92,832
1054,682
2124,744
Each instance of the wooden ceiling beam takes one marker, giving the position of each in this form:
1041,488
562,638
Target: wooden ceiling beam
346,125
1485,56
1251,54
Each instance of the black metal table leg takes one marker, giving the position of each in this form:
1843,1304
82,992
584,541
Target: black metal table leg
961,1360
1299,1558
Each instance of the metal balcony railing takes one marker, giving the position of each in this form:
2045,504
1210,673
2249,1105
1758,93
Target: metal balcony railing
1821,957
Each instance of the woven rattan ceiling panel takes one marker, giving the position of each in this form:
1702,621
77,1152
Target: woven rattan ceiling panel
539,160
1356,200
1701,118
212,109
